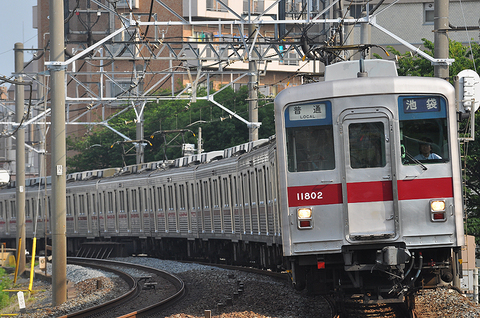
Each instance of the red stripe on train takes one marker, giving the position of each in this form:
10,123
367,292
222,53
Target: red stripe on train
374,191
425,188
315,195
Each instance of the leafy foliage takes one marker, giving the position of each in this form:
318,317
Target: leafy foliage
410,64
102,148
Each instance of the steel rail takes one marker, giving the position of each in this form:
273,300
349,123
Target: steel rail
134,291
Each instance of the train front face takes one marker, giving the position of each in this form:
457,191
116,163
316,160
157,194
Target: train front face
369,175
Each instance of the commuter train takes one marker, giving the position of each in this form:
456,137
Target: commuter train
358,192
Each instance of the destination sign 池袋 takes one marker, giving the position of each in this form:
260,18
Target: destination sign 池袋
421,104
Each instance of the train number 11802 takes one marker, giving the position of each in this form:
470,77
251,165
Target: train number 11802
314,195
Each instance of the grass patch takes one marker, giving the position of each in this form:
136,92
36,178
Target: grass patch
5,283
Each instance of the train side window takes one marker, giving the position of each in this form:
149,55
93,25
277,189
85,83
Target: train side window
206,200
170,198
81,204
253,181
261,186
144,202
367,145
39,208
246,189
215,193
27,208
1,210
134,200
310,148
160,198
121,195
181,190
110,202
100,205
69,205
140,201
235,191
88,204
94,205
187,197
49,208
192,190
225,193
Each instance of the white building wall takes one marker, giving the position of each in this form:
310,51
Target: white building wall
406,20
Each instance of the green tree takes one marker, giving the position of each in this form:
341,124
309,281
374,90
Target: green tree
102,148
410,64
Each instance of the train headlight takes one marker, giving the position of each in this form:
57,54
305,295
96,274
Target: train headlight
437,209
304,217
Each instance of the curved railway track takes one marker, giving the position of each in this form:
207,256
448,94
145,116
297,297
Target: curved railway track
128,305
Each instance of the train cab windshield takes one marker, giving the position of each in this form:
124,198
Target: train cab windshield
423,130
309,134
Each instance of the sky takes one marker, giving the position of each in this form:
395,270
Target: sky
15,26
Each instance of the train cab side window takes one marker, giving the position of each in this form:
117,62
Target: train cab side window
367,145
424,141
310,148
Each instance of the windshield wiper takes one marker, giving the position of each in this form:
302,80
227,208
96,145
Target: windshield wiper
416,161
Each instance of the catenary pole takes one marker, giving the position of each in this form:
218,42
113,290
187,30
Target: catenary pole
57,75
252,93
441,26
20,158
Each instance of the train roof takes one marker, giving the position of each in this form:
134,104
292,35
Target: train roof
150,167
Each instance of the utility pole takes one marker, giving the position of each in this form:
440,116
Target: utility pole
140,136
57,75
199,141
20,159
252,93
441,27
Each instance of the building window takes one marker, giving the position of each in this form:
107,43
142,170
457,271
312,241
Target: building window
290,57
428,13
122,87
256,6
214,5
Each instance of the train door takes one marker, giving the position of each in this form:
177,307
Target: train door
368,192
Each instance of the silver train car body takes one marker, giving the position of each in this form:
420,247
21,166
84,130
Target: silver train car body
339,197
362,206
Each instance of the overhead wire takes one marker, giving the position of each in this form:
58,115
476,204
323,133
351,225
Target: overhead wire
468,37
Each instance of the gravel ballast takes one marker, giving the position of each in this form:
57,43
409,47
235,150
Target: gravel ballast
225,293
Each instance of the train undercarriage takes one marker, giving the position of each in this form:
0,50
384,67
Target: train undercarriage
380,274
